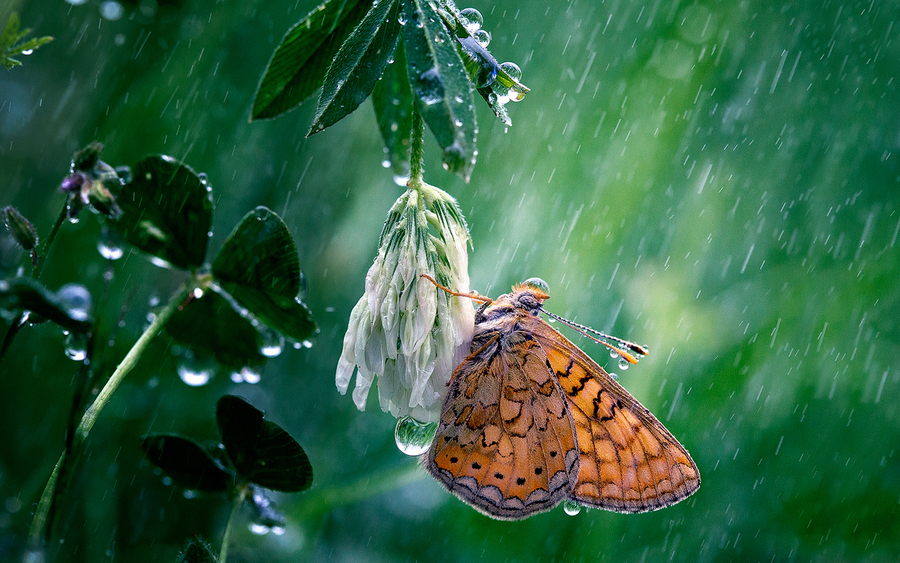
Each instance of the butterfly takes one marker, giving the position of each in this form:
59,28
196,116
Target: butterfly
529,421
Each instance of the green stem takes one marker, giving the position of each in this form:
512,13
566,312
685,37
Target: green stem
325,499
417,150
39,523
235,508
45,246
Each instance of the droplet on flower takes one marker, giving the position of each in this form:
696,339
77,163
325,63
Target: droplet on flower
413,437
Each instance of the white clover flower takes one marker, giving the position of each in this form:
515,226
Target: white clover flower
404,330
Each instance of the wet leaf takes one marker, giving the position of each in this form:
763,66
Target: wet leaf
298,65
188,463
210,325
262,452
196,551
393,103
440,85
259,267
358,64
166,212
26,294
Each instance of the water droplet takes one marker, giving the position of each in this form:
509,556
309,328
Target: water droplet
246,375
76,299
482,37
261,529
613,354
413,437
471,19
431,89
512,69
386,163
197,293
401,180
109,249
623,364
203,177
27,51
262,213
111,10
614,375
537,283
194,378
75,345
571,507
271,344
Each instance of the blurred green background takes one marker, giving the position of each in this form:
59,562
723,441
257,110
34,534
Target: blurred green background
716,180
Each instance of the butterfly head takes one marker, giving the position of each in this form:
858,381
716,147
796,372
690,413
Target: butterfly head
530,294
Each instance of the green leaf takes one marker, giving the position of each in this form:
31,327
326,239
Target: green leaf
440,84
298,65
393,103
210,325
26,294
188,463
196,551
11,36
10,32
262,452
358,65
166,212
259,267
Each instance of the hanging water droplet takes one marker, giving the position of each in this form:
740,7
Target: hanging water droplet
75,346
613,354
194,378
401,180
386,163
623,364
109,250
413,437
76,299
571,507
271,344
262,213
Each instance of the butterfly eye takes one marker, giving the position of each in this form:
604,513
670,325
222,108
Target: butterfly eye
537,283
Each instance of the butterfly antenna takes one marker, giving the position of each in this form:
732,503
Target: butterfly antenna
471,295
602,338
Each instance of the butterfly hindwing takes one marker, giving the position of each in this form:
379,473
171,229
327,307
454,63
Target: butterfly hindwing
505,441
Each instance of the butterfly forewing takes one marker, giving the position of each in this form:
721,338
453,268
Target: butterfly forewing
505,442
629,461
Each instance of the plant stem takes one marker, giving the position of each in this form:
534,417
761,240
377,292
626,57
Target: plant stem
39,523
327,498
235,508
417,150
45,246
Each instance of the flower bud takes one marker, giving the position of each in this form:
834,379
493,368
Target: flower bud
20,228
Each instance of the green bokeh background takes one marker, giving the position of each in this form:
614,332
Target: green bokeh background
716,180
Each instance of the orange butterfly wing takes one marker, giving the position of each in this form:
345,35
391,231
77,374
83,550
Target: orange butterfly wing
530,420
629,461
505,443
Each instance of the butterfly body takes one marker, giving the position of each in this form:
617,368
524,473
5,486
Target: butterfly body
530,420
